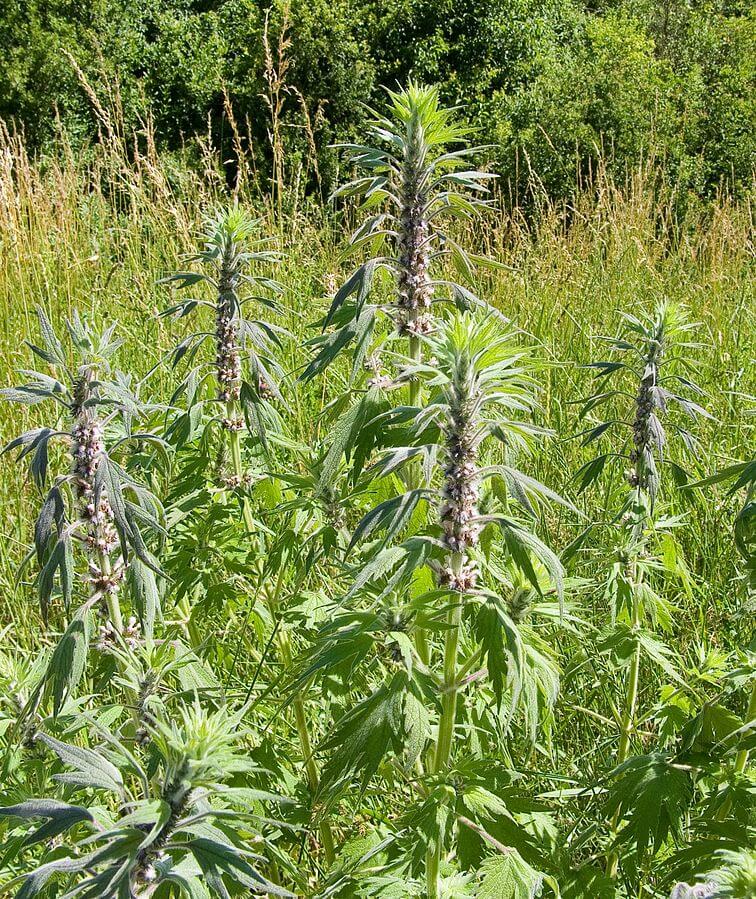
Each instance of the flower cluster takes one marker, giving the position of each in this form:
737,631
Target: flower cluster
381,380
147,720
461,580
459,506
641,455
228,358
233,424
108,635
459,509
414,284
87,449
697,891
104,581
234,481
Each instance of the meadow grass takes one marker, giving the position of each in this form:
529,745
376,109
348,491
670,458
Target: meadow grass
98,236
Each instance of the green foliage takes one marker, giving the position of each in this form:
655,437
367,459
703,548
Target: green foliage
549,84
509,877
360,600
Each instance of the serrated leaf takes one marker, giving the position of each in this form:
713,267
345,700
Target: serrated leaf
363,736
416,728
509,877
391,516
652,794
216,859
90,768
69,658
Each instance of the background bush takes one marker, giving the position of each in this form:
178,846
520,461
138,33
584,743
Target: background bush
552,84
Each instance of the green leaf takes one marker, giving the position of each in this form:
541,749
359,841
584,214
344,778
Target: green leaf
652,793
508,877
254,409
185,279
363,736
60,817
363,333
60,560
500,640
145,594
35,882
69,658
55,353
394,563
90,768
590,472
391,515
343,435
416,728
216,859
524,489
521,543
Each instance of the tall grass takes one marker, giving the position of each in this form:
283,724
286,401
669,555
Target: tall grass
96,234
99,233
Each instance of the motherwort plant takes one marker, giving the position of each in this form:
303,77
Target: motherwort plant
481,391
244,395
234,261
415,185
650,375
98,505
170,823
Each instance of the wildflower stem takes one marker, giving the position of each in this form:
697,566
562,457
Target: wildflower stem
311,768
741,759
628,721
449,698
111,597
413,479
234,445
442,753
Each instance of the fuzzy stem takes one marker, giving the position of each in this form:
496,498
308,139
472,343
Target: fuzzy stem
449,698
311,768
741,759
113,603
413,479
445,737
234,445
628,722
416,355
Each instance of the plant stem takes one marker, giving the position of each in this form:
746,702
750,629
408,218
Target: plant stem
111,598
444,740
741,759
234,444
628,722
116,617
449,698
413,479
311,768
188,626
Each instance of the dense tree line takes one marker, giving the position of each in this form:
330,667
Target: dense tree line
552,85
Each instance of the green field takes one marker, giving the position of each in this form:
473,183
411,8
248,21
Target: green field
98,238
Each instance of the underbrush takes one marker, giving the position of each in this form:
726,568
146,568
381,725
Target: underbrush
416,563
